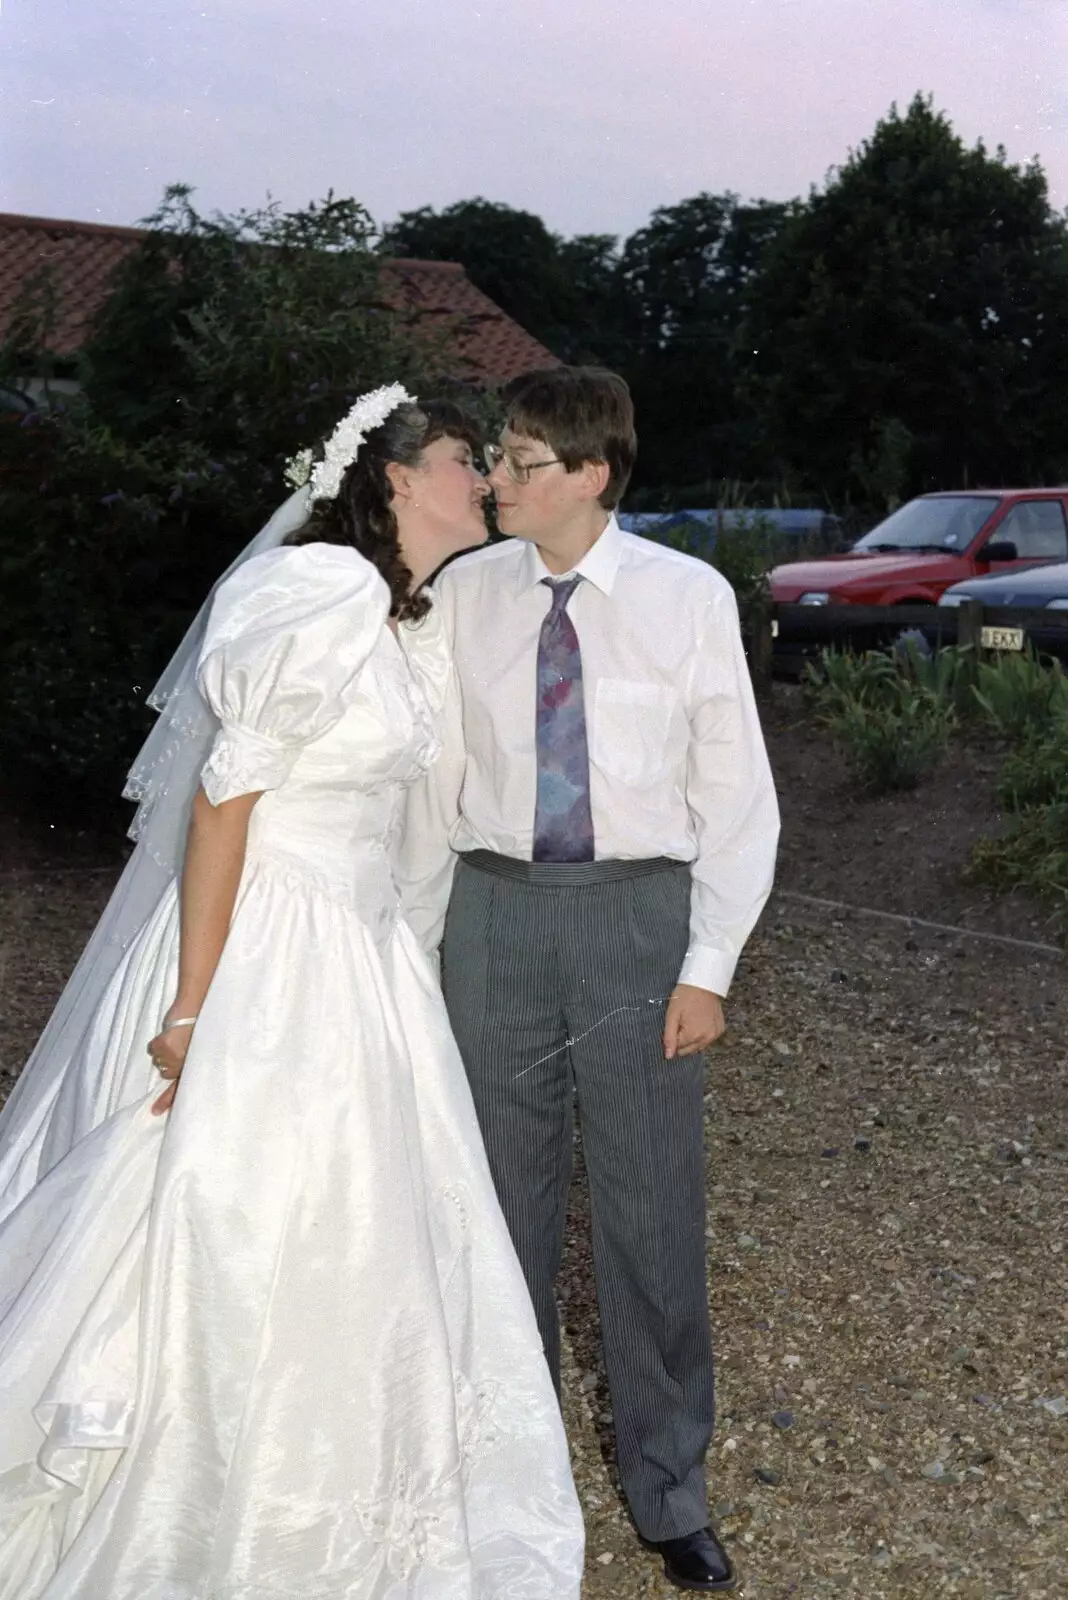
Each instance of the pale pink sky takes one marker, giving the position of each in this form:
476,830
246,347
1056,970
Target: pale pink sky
589,112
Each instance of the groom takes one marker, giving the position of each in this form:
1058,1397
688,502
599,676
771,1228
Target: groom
612,825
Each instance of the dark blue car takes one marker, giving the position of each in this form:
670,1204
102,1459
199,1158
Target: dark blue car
1042,588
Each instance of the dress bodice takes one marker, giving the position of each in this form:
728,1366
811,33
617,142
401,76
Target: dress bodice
342,796
322,708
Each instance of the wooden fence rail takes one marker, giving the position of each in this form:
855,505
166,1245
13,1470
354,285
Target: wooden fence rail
779,633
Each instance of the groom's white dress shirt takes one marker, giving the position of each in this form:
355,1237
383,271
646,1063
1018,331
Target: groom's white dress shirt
677,760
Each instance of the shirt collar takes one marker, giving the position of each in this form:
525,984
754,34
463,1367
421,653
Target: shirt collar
598,566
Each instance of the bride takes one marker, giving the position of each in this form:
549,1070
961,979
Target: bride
274,1344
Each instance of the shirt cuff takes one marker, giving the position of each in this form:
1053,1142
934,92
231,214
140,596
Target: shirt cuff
705,967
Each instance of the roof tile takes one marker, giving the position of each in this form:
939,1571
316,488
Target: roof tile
79,259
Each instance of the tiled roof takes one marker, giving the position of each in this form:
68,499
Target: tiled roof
79,259
490,342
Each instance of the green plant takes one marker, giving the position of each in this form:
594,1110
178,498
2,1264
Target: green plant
882,470
947,674
745,553
101,544
1031,854
841,679
226,345
893,747
890,715
1035,773
1019,694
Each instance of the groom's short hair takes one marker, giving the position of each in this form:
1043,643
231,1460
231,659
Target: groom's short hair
582,414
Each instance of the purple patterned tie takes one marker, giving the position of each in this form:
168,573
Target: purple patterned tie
563,821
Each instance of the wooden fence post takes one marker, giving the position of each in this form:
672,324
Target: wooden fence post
969,638
970,625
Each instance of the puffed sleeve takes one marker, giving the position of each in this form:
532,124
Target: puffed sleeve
286,640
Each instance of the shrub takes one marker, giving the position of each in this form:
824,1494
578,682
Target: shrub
105,551
890,716
1019,694
947,674
744,554
1032,854
1032,851
841,679
1035,773
743,551
883,678
225,346
893,747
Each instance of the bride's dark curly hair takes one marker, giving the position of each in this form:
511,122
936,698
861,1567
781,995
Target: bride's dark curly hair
362,514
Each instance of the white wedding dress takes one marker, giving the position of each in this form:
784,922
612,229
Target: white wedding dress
276,1345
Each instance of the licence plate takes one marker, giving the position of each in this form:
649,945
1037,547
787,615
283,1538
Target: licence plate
1002,639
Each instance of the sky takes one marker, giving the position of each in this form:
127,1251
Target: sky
590,113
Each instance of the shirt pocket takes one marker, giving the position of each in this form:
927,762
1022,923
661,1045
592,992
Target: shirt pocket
631,728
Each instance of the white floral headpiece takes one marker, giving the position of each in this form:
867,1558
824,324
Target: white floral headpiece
343,445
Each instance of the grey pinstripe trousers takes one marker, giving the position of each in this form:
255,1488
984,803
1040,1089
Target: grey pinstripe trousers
556,982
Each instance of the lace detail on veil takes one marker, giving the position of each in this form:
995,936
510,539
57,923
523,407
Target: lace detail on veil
166,772
163,780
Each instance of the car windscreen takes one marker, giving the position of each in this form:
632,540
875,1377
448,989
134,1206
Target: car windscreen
948,523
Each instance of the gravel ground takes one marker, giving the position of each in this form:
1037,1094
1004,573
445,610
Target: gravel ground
888,1166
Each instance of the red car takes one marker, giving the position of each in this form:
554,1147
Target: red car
930,543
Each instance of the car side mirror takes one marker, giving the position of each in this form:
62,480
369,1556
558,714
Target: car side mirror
998,550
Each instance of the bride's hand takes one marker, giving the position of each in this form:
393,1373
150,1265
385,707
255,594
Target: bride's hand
168,1051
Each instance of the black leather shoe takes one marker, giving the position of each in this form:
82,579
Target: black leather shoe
697,1562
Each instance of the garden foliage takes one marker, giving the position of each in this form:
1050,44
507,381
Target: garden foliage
228,344
893,715
1028,704
890,717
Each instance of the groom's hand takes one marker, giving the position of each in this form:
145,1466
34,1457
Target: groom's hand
694,1021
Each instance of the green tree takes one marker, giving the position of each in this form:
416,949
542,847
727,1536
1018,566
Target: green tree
226,345
682,283
594,306
663,310
563,291
510,255
248,332
908,329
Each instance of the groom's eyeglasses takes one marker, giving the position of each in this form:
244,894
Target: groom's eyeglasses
518,471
